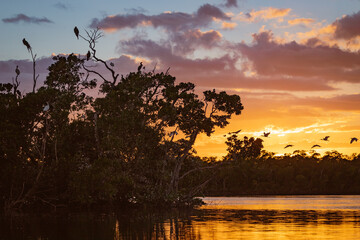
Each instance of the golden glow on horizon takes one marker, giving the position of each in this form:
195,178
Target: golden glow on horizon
303,138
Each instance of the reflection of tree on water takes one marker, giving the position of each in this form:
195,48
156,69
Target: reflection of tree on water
204,223
169,225
194,224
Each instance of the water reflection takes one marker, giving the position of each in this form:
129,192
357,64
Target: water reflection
244,220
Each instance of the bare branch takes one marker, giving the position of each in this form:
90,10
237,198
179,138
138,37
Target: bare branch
92,37
95,72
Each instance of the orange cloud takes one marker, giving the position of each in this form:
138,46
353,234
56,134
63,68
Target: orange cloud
343,33
228,25
264,14
305,21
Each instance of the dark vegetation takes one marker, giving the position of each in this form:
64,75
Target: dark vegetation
249,170
60,147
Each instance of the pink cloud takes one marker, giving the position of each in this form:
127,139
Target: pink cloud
339,103
270,58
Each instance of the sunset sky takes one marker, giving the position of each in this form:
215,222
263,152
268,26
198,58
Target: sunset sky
295,64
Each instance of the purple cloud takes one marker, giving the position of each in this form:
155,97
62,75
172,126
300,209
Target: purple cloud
231,3
24,18
218,71
7,70
122,65
270,58
188,41
348,26
172,21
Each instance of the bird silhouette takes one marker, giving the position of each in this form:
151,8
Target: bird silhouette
289,145
17,70
112,64
266,134
76,31
140,66
88,55
26,44
315,146
354,139
235,132
326,138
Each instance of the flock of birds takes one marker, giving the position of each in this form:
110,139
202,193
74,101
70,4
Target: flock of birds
266,134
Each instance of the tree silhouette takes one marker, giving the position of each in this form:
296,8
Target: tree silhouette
62,147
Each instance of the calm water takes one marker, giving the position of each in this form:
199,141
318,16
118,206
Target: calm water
292,217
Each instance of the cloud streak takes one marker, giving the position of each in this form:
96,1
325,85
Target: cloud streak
26,19
304,21
263,14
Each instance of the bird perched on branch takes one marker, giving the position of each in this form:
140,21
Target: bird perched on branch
315,146
26,44
289,145
17,71
354,139
140,67
326,138
88,55
76,31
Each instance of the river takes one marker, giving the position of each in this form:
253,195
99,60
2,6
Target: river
266,217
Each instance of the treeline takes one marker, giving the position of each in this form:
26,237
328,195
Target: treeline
60,147
249,170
